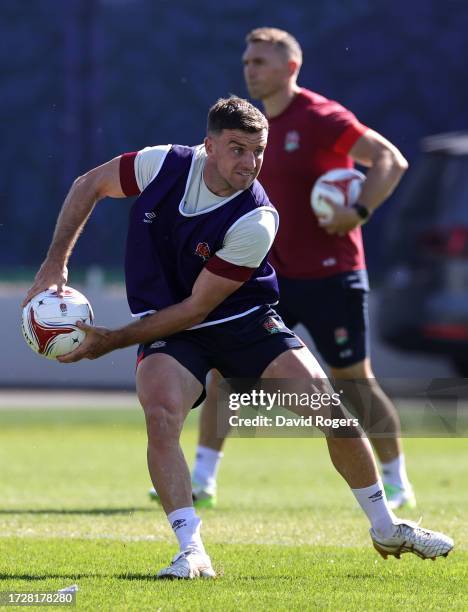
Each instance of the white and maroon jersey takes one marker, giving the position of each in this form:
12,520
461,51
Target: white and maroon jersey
246,243
168,247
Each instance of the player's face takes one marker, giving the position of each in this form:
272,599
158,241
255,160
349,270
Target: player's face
234,160
266,70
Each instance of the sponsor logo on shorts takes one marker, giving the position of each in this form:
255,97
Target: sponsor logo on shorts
158,344
291,142
272,325
203,250
341,335
346,353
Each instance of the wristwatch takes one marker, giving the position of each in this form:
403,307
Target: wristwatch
361,210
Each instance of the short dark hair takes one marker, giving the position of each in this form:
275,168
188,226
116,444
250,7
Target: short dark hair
235,113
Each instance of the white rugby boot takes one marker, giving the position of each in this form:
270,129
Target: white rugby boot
188,565
409,537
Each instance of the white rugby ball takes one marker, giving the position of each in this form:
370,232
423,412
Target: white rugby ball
341,186
49,322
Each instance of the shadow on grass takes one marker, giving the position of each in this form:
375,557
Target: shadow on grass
137,576
71,576
33,577
152,577
85,511
45,576
252,579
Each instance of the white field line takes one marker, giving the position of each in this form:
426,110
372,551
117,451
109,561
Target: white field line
30,533
267,540
59,400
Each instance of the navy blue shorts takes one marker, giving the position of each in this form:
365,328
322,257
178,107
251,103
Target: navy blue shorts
334,311
241,348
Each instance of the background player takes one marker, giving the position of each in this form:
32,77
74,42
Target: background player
320,265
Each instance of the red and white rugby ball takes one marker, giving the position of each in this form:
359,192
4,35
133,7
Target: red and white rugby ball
49,322
341,186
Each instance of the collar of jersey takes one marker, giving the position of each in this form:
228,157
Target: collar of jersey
206,210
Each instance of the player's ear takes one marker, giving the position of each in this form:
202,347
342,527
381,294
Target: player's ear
293,67
208,142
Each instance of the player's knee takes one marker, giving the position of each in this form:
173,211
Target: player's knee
163,423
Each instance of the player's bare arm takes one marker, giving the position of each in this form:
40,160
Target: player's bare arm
386,167
208,292
86,191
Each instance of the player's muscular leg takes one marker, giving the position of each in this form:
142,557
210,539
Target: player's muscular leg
352,455
167,391
376,412
212,433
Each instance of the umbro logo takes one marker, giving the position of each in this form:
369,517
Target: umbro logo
149,217
178,524
376,496
158,344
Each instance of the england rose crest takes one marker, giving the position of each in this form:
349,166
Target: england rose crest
341,335
203,250
271,325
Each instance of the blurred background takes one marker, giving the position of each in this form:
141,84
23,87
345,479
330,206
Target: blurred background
86,80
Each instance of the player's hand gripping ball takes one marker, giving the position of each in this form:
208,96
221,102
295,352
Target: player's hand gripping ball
49,322
341,186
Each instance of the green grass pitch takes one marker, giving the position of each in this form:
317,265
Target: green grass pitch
287,534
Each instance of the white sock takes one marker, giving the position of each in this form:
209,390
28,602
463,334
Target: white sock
374,503
206,466
186,526
394,473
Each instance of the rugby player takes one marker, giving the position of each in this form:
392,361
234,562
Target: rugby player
197,310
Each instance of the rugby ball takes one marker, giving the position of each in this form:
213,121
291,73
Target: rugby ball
49,322
341,186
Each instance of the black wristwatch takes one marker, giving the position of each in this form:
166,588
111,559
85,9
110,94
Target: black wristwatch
362,211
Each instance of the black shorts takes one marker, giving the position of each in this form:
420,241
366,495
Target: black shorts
241,348
334,311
